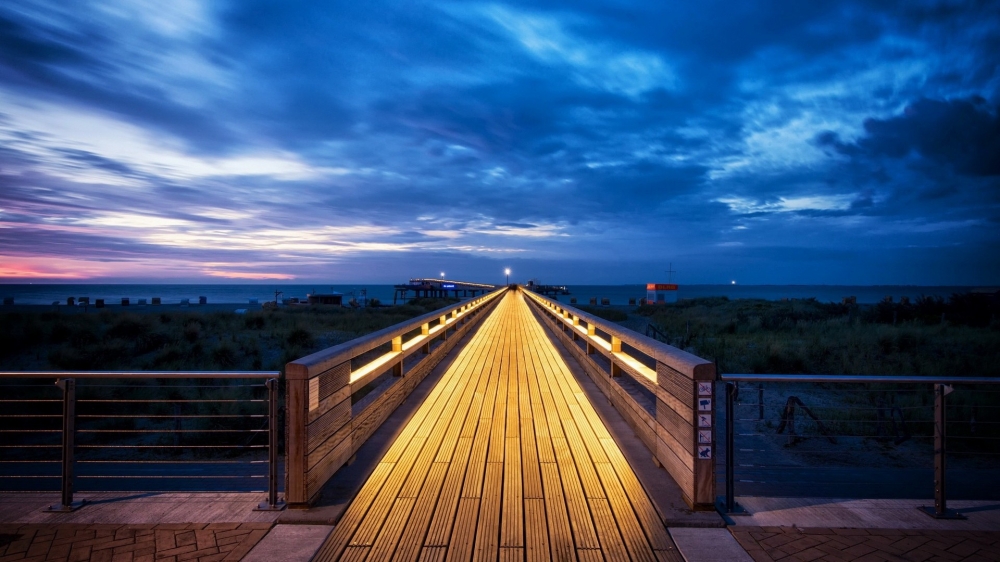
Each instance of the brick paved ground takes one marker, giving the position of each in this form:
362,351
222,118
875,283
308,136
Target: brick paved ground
765,544
201,542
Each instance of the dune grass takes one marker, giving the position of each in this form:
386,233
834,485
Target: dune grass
930,337
187,340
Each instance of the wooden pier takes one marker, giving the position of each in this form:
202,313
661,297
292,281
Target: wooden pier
506,459
439,288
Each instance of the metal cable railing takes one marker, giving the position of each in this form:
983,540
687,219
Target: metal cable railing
149,431
860,436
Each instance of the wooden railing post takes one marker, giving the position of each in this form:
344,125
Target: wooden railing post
297,416
397,347
685,417
324,429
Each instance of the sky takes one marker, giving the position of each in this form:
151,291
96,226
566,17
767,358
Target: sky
571,141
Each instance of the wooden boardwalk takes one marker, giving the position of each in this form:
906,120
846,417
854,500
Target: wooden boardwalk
505,460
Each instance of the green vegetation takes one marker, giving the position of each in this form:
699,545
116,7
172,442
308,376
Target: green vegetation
931,336
188,339
177,418
609,314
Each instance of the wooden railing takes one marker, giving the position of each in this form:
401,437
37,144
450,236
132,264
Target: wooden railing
670,405
338,397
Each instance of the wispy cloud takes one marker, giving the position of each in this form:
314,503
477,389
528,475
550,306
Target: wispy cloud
252,140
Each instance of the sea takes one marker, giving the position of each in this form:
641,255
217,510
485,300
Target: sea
47,294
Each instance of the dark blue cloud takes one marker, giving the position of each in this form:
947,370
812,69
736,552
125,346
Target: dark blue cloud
535,133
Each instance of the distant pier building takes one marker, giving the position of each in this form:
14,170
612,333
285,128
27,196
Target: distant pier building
535,286
439,288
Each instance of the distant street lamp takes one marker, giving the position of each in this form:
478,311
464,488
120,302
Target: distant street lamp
442,275
507,273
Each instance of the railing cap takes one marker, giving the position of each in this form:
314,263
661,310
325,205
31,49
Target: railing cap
681,361
900,379
142,374
325,359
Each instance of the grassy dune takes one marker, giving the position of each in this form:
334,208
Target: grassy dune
186,340
928,337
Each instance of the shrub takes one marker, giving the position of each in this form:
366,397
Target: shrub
60,333
609,314
225,356
192,331
299,337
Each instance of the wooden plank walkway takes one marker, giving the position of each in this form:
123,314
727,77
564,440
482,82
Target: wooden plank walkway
505,460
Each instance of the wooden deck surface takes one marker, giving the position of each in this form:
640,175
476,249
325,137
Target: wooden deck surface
505,460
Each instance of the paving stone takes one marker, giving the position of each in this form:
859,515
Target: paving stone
69,542
841,544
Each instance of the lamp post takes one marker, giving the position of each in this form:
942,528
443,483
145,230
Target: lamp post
507,273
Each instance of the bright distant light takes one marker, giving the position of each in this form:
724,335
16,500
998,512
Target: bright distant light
506,271
734,282
442,274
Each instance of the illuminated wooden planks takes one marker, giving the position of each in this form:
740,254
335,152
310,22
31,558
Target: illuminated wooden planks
612,544
420,518
334,546
557,517
536,531
511,554
463,537
435,446
636,540
392,530
367,512
505,460
488,527
433,553
601,449
355,554
584,534
444,517
512,529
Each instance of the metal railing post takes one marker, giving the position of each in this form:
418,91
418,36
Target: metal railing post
730,465
760,401
68,387
940,509
272,503
728,505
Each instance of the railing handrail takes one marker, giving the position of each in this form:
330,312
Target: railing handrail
902,379
67,382
326,425
670,416
141,374
325,358
667,354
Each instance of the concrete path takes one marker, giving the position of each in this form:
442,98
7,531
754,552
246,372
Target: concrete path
708,545
290,543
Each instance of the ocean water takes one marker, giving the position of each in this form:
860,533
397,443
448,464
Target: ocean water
869,294
173,294
618,294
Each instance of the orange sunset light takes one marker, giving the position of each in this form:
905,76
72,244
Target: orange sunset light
249,275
